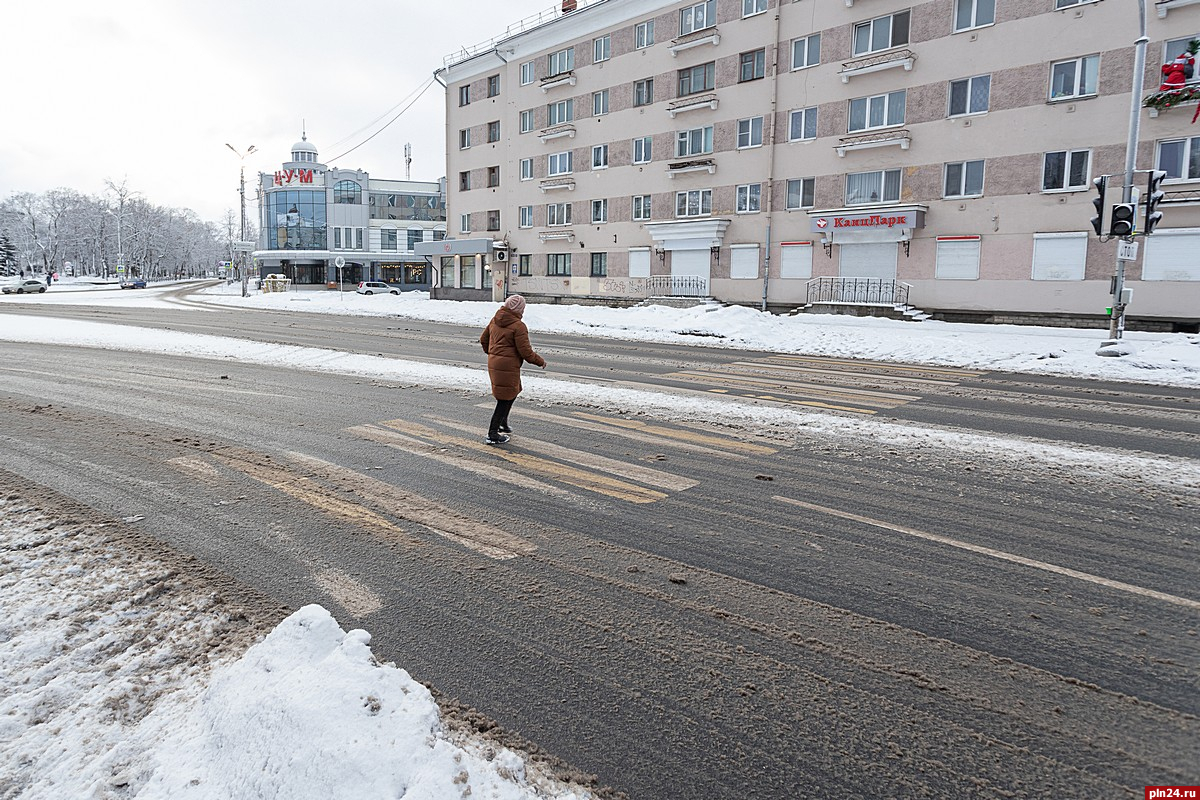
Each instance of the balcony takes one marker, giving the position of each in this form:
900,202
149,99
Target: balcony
557,132
878,62
1163,6
865,141
698,165
556,235
1162,101
693,103
550,184
695,39
561,79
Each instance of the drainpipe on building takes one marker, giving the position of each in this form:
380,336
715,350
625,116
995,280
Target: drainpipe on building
771,160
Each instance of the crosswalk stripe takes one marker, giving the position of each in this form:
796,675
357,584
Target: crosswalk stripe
773,363
792,401
883,366
864,396
717,442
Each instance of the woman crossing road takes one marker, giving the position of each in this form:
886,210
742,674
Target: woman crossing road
506,342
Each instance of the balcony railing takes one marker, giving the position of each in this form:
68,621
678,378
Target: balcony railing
864,141
677,286
858,291
880,61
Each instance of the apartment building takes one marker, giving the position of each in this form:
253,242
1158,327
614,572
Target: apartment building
315,218
758,150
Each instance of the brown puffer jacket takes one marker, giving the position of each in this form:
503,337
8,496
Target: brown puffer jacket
506,341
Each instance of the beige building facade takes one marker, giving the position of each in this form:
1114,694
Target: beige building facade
775,153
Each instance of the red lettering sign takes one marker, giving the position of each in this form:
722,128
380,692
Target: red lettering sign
284,177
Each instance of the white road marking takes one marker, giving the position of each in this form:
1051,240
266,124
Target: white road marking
348,593
1000,554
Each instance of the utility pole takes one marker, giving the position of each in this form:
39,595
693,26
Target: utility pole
1116,326
241,257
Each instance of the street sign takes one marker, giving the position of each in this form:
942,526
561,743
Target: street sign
339,262
1127,251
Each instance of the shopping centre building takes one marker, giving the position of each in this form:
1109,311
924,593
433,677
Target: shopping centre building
315,218
776,153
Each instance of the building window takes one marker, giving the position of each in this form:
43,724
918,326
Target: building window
599,265
1068,3
800,193
466,272
1066,170
447,270
464,95
526,121
750,132
1180,158
641,150
964,179
559,164
743,261
695,203
973,13
464,181
464,223
753,65
641,207
697,79
558,264
493,220
337,238
600,103
880,186
806,52
970,95
527,73
558,214
600,211
879,111
560,62
524,265
493,131
493,85
600,156
601,48
694,142
493,177
464,138
1059,256
802,124
439,234
525,217
414,235
387,239
698,17
957,258
749,198
347,193
752,7
1075,78
643,92
881,33
561,112
526,169
643,34
795,259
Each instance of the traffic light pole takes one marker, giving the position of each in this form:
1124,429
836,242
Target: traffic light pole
1116,325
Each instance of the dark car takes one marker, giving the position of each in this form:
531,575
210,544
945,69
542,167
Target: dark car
23,286
133,283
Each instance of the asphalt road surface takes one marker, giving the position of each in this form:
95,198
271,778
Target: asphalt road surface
682,609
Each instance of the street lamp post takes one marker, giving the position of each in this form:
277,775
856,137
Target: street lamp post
241,258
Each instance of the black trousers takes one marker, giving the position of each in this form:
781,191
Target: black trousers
500,415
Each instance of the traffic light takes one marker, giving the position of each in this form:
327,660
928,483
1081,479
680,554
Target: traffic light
1124,219
1101,184
1154,196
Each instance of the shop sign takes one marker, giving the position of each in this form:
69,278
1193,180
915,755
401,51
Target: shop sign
887,220
285,177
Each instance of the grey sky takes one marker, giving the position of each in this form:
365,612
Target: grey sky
151,90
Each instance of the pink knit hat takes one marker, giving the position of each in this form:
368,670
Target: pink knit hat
515,304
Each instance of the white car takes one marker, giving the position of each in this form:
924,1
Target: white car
376,287
29,285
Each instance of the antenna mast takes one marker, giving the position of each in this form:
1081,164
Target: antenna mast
407,162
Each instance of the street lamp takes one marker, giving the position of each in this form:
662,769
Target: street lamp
242,191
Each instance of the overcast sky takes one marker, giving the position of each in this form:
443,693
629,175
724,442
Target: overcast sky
152,90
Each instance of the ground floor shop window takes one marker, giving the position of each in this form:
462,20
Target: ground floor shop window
957,258
447,275
1171,256
1059,256
795,260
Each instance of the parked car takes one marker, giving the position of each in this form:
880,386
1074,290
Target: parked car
133,283
20,286
376,287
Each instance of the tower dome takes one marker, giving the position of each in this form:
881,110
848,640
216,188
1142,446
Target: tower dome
303,150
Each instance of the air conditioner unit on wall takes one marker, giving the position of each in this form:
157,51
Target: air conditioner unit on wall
499,254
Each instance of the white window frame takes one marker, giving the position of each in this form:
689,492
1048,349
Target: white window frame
686,142
752,8
600,156
643,35
1189,156
464,223
527,73
804,115
643,147
964,174
558,214
951,249
525,216
527,121
1056,245
809,184
464,95
882,186
1085,67
1068,159
601,48
888,101
874,29
975,9
812,51
749,133
640,206
643,92
699,199
464,138
561,108
560,62
697,17
970,95
600,211
560,164
526,168
600,103
749,198
757,60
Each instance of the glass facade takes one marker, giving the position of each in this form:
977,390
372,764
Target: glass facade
428,208
295,220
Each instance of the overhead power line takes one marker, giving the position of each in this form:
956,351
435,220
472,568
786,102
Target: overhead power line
399,114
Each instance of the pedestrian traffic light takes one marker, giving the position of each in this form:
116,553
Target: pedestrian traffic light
1101,184
1154,196
1124,219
